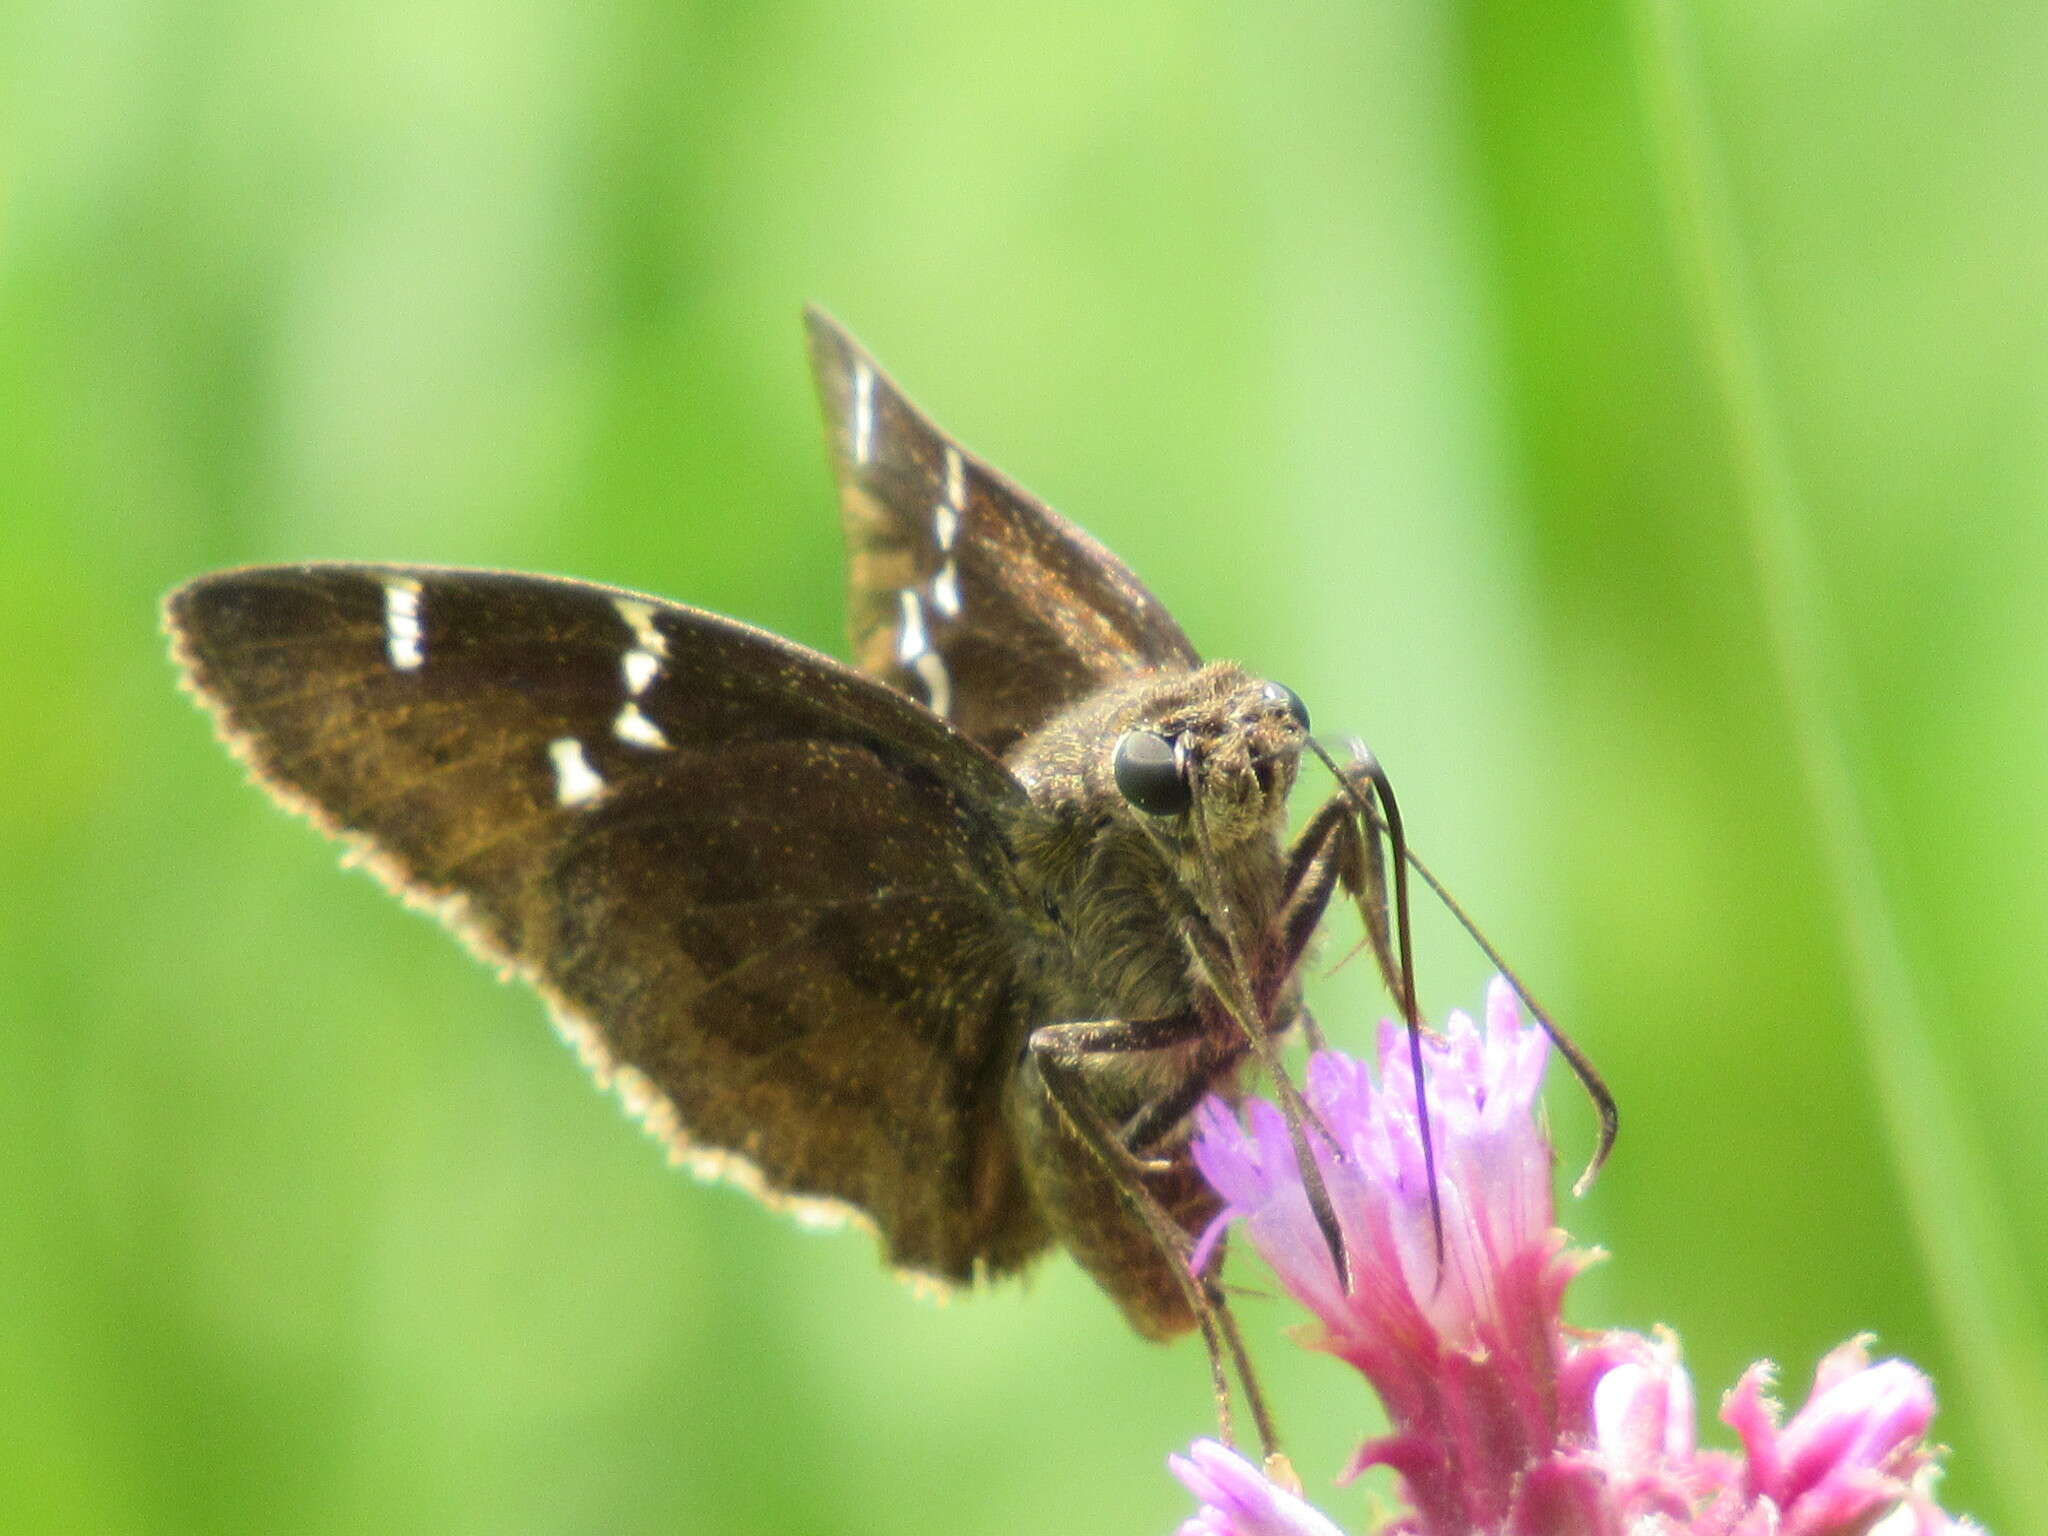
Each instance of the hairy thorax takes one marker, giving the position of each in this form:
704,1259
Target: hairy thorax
1119,889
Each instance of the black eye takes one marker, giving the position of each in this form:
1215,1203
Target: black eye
1148,774
1280,693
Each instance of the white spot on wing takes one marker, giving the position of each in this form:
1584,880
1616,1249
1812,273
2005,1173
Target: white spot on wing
642,664
914,650
956,488
911,639
404,634
946,589
636,728
639,618
576,782
938,682
641,668
863,412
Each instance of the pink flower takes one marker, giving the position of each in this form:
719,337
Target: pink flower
1239,1500
1855,1451
1502,1420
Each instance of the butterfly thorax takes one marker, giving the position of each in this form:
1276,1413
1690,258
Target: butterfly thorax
1117,882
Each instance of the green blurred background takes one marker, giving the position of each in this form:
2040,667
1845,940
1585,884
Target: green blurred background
1481,370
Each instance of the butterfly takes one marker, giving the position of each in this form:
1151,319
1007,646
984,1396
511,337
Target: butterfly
950,942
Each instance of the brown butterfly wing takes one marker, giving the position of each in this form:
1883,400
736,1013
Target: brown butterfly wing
966,592
772,901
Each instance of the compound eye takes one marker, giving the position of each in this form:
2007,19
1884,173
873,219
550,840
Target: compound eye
1150,774
1280,693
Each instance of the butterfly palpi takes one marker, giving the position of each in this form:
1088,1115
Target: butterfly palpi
951,942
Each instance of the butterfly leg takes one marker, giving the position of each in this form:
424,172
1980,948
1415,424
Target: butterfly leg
1167,1197
1249,1001
1216,1053
1158,1119
1340,848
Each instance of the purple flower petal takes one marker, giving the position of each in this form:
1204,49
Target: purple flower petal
1239,1500
1643,1414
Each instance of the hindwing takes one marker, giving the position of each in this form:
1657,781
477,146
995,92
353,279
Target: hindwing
965,591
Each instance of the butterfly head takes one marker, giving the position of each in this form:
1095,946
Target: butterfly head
1220,756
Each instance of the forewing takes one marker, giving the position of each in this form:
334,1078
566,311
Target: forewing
770,900
966,592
